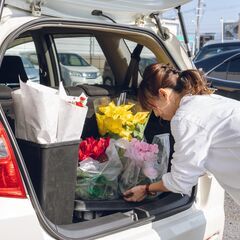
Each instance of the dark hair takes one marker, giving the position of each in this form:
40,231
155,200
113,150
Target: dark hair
158,76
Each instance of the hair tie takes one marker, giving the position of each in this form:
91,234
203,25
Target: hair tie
182,74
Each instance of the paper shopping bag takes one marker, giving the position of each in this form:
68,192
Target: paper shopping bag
71,120
19,121
41,106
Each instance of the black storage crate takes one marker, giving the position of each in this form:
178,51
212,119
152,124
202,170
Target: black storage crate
53,169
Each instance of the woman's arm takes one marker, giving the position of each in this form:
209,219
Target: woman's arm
138,193
191,147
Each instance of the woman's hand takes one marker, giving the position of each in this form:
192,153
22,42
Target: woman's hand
135,194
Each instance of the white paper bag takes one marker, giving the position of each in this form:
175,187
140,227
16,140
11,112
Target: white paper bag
45,115
20,124
71,120
41,106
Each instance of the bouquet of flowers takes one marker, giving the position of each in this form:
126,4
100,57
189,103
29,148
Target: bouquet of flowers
140,164
98,171
116,120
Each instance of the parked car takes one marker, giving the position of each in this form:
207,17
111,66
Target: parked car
32,204
223,70
76,70
215,48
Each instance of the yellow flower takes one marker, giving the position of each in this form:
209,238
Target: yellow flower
141,117
113,125
119,120
101,126
126,134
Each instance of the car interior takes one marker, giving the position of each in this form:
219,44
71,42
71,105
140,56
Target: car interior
122,49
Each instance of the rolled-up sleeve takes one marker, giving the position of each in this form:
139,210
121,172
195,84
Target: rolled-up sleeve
190,151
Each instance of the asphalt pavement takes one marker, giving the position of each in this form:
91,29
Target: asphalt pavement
232,219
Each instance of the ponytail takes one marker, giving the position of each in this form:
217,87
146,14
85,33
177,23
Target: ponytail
193,82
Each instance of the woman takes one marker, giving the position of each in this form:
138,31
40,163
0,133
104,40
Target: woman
205,127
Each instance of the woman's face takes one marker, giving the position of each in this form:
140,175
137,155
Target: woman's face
166,104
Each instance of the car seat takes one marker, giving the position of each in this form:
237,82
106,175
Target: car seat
11,70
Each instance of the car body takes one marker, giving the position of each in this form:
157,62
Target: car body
214,48
24,214
76,70
222,70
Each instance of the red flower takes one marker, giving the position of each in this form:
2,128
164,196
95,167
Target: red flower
93,148
79,104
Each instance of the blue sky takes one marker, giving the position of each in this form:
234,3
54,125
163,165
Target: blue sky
213,11
211,15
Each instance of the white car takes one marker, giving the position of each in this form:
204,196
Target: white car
37,181
76,70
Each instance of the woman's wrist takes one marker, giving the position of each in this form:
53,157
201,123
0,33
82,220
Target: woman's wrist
147,190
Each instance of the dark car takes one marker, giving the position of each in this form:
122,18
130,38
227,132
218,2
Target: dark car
212,49
223,72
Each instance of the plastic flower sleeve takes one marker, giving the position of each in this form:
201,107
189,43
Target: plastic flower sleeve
139,161
99,181
163,142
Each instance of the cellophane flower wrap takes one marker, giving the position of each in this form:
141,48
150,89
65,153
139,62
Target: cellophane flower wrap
126,120
98,171
140,164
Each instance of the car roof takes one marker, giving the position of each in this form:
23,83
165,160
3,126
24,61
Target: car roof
216,44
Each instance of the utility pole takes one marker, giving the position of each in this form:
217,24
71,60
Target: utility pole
222,30
239,26
197,26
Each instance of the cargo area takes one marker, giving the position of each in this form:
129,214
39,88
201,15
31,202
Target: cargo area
53,167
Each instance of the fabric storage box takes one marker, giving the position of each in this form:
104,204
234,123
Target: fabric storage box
52,168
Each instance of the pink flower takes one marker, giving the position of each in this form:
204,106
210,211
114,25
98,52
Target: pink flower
150,172
141,151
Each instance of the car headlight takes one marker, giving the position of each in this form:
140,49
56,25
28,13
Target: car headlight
98,74
76,74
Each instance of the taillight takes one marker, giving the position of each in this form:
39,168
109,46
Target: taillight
11,184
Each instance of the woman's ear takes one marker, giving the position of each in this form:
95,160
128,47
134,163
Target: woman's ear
163,93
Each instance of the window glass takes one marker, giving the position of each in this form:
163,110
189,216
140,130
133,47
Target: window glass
147,57
234,70
26,53
210,51
220,72
81,60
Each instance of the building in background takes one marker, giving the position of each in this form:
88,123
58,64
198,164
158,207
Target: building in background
231,30
205,37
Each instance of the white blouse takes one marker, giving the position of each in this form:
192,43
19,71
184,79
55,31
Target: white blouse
206,129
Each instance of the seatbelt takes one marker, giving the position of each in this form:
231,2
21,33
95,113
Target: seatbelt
133,67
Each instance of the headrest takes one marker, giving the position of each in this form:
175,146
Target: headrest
11,70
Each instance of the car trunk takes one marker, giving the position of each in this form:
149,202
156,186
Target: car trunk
54,180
